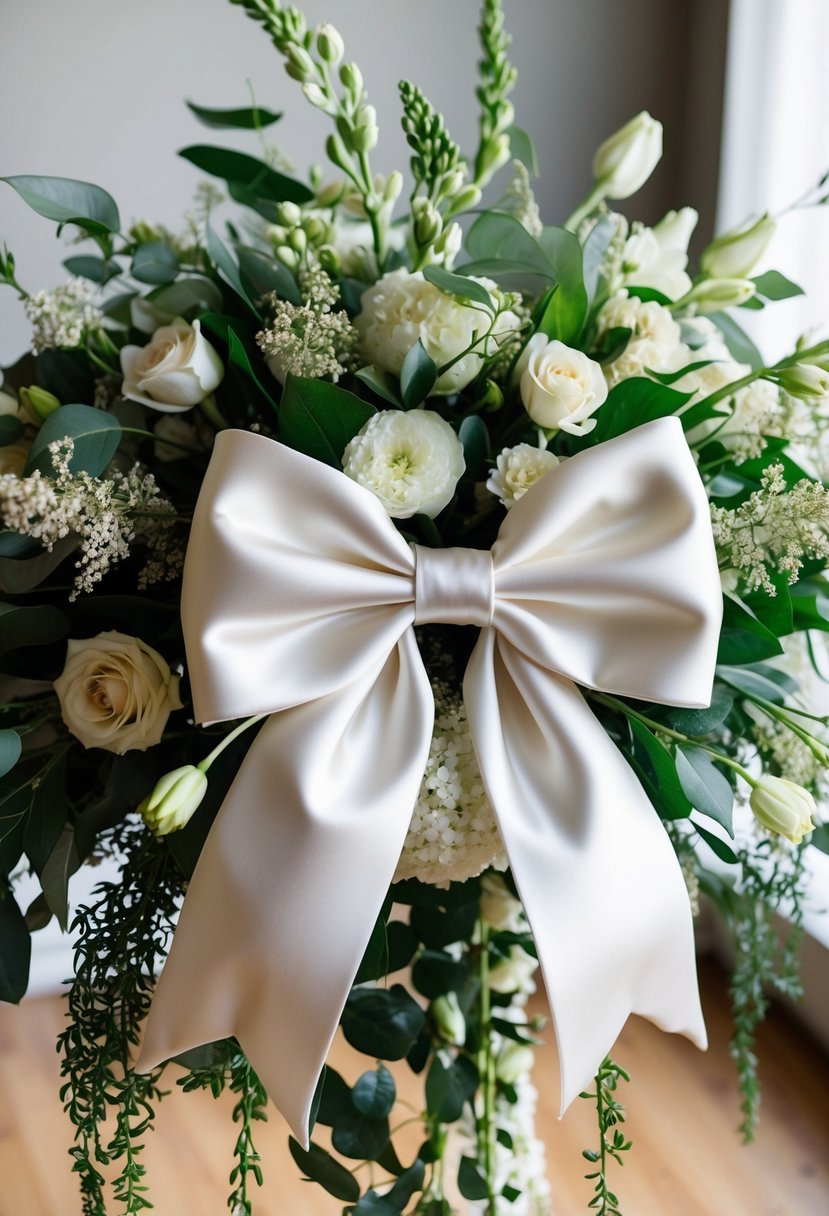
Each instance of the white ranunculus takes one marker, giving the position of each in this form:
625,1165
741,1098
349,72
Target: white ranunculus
782,807
735,254
402,307
412,461
560,387
655,343
625,161
176,370
656,257
116,692
518,468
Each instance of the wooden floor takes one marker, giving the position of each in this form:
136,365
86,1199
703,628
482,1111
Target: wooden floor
686,1159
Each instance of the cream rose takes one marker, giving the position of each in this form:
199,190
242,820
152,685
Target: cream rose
116,692
176,370
411,461
560,387
402,307
655,341
518,468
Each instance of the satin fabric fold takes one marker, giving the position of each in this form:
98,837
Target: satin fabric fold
298,600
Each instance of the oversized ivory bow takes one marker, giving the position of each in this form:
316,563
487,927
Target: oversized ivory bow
299,600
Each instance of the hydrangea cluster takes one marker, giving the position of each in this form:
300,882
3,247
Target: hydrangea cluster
774,527
453,833
104,515
60,318
309,339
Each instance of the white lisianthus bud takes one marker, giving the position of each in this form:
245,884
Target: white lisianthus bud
782,807
514,1061
498,906
426,220
713,295
560,387
174,800
330,43
175,371
675,229
735,254
517,469
365,134
393,186
807,381
515,973
625,161
448,1019
412,461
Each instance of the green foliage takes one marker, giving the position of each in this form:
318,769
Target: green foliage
15,947
247,118
436,157
319,419
95,435
610,1115
497,78
417,376
68,202
238,168
154,262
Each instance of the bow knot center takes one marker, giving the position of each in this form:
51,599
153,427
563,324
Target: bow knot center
454,586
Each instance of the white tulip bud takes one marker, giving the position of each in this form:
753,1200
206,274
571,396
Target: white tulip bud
674,230
173,801
782,807
625,161
735,254
807,381
448,1019
713,295
330,43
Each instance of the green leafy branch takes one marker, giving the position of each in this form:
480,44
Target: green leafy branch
497,79
610,1114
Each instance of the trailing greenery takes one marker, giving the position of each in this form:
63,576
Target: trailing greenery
610,1115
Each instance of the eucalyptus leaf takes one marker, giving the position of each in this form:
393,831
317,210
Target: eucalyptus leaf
10,748
699,722
224,262
459,286
59,868
449,1086
380,1022
740,346
335,1105
718,847
706,788
435,973
751,682
417,376
522,148
775,286
67,200
30,625
374,1093
96,269
319,418
361,1138
15,949
96,436
261,275
255,175
594,253
190,295
246,118
319,1166
498,237
154,262
471,1182
566,311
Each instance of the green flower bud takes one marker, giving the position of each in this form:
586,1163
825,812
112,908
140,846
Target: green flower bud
393,187
513,1062
427,223
299,65
491,401
329,259
807,381
316,96
331,194
782,807
365,134
287,256
468,197
37,403
735,254
173,801
336,151
713,295
297,240
289,215
351,79
448,1019
329,43
316,230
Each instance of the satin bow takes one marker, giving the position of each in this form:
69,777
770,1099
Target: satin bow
299,600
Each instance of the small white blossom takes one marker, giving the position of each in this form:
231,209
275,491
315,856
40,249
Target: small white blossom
411,460
655,342
518,468
309,339
60,318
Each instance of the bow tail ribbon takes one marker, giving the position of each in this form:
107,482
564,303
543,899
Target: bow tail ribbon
582,838
291,880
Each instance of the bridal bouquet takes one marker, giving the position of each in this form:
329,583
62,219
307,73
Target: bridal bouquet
502,609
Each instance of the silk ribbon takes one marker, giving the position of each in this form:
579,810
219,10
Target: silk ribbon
299,599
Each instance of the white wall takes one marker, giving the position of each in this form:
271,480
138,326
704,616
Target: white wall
92,89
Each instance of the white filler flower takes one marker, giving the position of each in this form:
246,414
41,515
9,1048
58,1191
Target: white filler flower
518,468
411,461
176,370
560,387
402,307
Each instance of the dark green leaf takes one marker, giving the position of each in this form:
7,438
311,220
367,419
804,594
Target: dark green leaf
15,949
255,175
435,972
66,200
319,419
34,625
247,118
381,1022
97,270
381,383
417,376
436,927
474,436
459,285
38,914
631,403
11,428
66,373
497,237
319,1166
226,328
649,295
96,436
374,1094
192,295
224,262
334,1099
698,722
471,1182
59,868
261,275
449,1086
753,682
820,837
48,815
773,611
658,773
10,748
154,262
394,1202
361,1138
390,948
510,1193
717,846
775,286
706,787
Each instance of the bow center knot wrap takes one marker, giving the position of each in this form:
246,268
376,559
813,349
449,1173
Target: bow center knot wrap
298,601
454,586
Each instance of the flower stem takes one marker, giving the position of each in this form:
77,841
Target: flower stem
486,1069
228,739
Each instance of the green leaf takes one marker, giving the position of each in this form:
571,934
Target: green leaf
224,262
226,329
631,403
740,346
594,253
381,383
96,436
417,376
48,815
15,950
261,274
59,868
394,1201
459,286
253,174
319,418
97,270
699,722
247,118
773,611
374,1094
33,625
775,286
449,1087
717,846
440,926
154,262
566,312
319,1166
11,428
752,682
435,972
193,295
706,787
522,148
10,748
474,436
67,201
67,374
380,1022
390,948
361,1138
497,237
744,639
658,773
471,1182
820,837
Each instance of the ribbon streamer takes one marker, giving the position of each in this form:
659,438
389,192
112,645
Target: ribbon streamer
299,600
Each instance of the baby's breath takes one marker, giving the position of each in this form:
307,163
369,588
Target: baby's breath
60,318
310,339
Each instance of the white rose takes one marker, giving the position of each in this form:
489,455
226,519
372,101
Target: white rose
560,387
411,461
116,692
518,468
656,257
625,161
655,342
175,371
515,973
402,307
